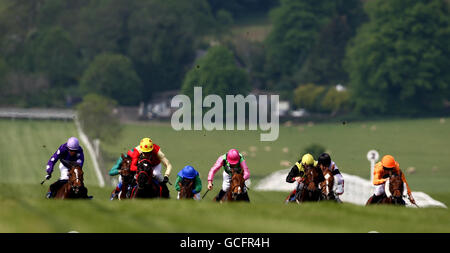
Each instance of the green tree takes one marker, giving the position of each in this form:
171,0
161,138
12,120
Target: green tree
218,74
398,61
309,96
3,72
112,75
162,40
53,53
296,25
102,26
324,63
335,101
97,119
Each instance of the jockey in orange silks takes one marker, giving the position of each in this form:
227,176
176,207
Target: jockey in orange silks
380,176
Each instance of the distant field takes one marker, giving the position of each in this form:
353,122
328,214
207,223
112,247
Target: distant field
27,145
422,144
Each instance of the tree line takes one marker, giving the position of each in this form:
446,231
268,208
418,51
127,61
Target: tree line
391,55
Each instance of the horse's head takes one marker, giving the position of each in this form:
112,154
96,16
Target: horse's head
76,178
124,169
327,185
145,173
186,187
395,185
237,183
311,177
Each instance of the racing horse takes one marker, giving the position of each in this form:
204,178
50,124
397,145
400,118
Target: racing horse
395,188
74,187
237,190
127,178
186,188
147,186
309,189
326,186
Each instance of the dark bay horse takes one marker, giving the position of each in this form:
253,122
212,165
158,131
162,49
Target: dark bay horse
310,190
237,191
74,188
327,185
186,188
127,178
395,188
146,187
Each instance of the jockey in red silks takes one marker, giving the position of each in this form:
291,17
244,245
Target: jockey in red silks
232,159
152,152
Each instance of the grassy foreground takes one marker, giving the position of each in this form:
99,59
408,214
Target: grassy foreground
25,210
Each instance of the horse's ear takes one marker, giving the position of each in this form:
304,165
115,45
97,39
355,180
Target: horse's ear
123,157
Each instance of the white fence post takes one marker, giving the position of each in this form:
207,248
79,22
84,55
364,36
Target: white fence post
373,157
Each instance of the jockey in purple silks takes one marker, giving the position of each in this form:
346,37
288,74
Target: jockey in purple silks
70,151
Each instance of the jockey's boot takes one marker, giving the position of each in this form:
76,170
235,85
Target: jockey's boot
245,197
48,195
291,197
115,193
219,196
165,191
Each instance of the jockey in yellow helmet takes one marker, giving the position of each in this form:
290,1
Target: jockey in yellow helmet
297,174
154,154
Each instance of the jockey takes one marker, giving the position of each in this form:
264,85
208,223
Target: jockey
380,174
325,161
190,173
297,174
153,153
115,171
232,159
70,151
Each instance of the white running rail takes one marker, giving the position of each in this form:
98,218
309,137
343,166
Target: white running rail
90,148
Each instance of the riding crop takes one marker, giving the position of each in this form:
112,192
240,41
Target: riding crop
43,181
205,194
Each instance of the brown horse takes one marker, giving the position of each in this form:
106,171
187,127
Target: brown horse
74,188
310,188
395,188
186,188
146,186
326,186
127,178
237,191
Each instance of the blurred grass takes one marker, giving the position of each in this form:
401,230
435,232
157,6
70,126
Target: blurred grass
27,145
267,214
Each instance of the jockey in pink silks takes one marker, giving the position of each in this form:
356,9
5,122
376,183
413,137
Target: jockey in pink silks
232,159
